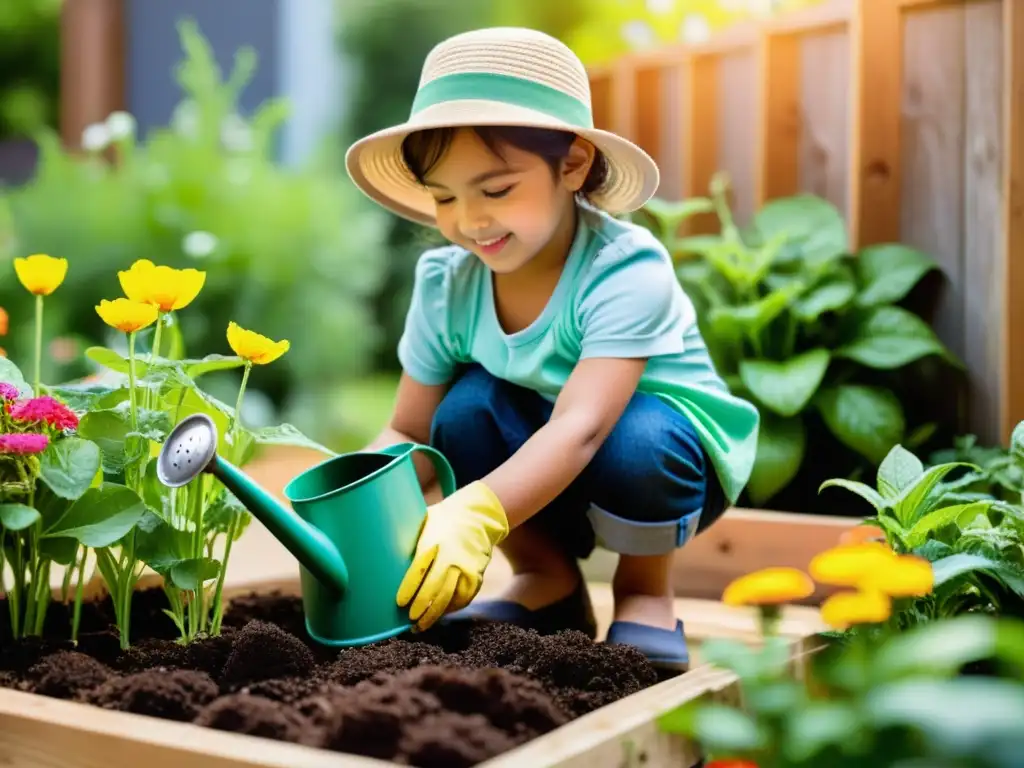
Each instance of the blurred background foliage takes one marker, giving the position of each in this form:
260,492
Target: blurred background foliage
29,65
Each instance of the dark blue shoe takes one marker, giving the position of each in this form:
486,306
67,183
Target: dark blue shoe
664,648
572,612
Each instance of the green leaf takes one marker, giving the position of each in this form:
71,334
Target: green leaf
954,566
975,717
69,465
891,337
719,727
914,500
18,517
193,368
1017,444
866,492
82,397
780,452
867,419
190,574
108,358
287,434
786,387
108,428
812,225
938,518
942,648
160,545
101,517
749,320
11,374
224,509
830,296
817,726
898,471
669,214
888,271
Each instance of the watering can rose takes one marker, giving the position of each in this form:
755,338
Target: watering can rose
126,315
166,288
40,274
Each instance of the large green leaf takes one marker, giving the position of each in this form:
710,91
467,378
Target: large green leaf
891,337
866,492
786,387
898,471
781,444
830,296
817,726
287,434
101,517
888,271
69,465
749,320
814,227
954,566
11,374
192,368
939,518
915,500
868,420
18,517
82,397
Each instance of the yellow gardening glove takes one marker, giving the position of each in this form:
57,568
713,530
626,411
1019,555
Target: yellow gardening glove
455,545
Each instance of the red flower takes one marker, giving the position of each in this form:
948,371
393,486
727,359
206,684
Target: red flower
45,409
23,443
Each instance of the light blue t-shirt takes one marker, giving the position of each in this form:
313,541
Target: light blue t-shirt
618,296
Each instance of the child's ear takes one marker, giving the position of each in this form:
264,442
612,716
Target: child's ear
577,164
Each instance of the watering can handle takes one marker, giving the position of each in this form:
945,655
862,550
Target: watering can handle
445,474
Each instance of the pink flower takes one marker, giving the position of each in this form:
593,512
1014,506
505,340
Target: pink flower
23,443
8,392
45,409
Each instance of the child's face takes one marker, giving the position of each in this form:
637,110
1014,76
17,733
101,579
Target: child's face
504,209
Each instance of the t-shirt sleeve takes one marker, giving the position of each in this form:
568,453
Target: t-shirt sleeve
631,305
424,349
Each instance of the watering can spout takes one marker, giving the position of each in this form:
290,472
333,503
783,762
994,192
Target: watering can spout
191,449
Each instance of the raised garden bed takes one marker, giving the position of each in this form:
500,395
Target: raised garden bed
264,695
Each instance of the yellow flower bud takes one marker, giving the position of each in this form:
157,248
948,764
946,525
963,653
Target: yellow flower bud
127,315
769,586
41,274
846,609
165,287
253,347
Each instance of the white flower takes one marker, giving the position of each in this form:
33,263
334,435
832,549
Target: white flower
96,137
695,29
198,244
121,125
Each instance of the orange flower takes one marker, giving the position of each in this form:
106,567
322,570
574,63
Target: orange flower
4,322
863,534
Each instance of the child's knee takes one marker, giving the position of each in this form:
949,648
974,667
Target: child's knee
651,482
468,401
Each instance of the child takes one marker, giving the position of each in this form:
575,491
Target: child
549,352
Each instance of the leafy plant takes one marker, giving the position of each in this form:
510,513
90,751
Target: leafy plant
975,544
803,328
77,459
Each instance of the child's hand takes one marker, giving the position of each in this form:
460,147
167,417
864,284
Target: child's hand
454,548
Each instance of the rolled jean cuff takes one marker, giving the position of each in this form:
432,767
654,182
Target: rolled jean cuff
629,537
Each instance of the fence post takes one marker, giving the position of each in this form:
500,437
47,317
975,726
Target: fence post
91,66
779,122
701,131
876,71
1012,384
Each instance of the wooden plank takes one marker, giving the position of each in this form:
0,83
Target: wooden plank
91,66
647,107
983,254
825,117
1012,379
623,96
701,118
932,144
737,140
671,158
601,99
877,48
779,130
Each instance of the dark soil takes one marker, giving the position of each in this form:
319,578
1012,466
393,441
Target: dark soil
451,697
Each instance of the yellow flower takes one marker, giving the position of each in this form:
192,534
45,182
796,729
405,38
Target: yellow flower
166,287
903,576
845,609
126,315
847,564
253,347
769,586
41,274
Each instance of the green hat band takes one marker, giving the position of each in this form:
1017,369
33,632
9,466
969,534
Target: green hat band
507,89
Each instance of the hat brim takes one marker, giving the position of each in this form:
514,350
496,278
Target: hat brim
376,166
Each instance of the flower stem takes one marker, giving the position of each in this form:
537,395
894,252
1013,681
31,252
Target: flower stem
131,381
236,456
39,340
79,586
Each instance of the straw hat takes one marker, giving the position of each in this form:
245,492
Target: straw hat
498,76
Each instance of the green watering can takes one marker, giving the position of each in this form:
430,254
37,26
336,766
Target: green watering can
354,527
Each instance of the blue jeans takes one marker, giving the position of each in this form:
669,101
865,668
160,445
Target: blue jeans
649,488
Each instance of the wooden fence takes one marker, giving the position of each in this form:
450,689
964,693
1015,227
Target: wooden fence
908,115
